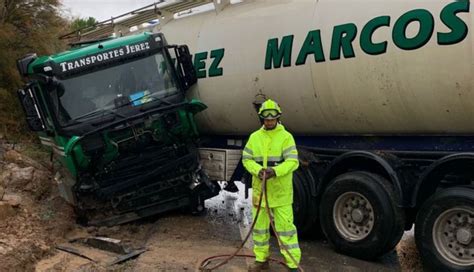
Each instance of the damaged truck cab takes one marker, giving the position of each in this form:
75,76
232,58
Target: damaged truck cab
116,114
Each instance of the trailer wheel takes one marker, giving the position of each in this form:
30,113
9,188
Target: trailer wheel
444,230
359,215
304,206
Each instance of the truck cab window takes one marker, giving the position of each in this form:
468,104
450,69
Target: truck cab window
140,81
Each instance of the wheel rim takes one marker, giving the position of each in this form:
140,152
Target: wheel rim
353,216
453,235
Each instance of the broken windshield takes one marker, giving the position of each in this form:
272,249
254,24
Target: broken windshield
132,83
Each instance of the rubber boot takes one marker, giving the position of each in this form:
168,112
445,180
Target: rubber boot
259,266
289,269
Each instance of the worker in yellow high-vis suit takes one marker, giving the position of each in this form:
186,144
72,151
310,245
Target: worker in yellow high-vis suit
271,150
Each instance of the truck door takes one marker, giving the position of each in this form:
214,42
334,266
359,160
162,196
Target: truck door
29,101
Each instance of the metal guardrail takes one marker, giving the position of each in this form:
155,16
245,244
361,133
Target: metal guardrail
133,18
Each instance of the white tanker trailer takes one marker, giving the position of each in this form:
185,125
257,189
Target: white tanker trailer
337,67
380,98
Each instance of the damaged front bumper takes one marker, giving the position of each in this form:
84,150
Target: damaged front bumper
141,185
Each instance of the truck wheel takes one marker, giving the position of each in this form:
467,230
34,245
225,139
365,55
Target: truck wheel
360,215
444,230
81,216
304,204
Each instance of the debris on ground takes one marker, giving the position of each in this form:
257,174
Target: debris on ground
132,236
101,250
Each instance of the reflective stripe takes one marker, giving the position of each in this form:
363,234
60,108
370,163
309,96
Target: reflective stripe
257,243
46,139
46,143
287,233
289,149
247,157
56,148
274,159
291,156
292,246
248,150
261,231
58,151
270,159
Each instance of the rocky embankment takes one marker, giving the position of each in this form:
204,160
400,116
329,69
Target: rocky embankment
33,218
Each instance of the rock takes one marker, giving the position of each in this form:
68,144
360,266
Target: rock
14,156
6,210
22,174
28,179
15,176
12,199
3,250
41,184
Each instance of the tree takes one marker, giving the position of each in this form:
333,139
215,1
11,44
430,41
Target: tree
26,26
80,23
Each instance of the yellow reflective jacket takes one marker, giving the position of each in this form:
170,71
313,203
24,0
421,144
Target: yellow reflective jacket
272,148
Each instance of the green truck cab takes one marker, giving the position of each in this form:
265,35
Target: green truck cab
115,113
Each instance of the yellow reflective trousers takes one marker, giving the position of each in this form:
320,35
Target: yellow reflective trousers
283,216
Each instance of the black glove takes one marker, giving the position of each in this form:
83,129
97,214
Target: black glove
270,173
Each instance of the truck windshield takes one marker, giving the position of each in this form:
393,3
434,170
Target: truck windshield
133,83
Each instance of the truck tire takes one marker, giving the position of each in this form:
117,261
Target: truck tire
360,215
304,205
81,216
444,230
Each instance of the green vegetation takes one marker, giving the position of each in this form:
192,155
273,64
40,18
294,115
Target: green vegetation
26,26
80,23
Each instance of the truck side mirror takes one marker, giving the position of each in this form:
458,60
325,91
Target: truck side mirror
185,64
30,107
22,64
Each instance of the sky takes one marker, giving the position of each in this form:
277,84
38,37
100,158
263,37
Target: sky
105,9
102,9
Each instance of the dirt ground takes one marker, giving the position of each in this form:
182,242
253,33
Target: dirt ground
180,242
34,220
